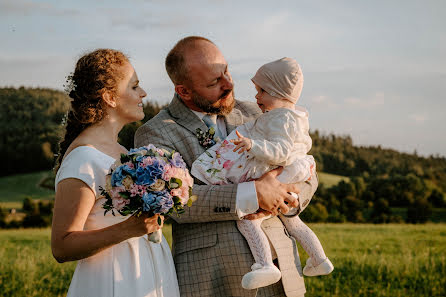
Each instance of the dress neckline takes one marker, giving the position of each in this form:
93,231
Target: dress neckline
90,147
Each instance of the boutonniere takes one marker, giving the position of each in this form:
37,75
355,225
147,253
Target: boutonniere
206,139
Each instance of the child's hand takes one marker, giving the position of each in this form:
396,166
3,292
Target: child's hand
242,143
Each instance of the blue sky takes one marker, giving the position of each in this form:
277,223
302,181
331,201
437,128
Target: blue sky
375,70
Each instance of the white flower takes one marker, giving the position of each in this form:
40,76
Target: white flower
159,185
108,185
127,182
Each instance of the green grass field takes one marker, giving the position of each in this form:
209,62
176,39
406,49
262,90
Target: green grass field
370,260
15,188
329,179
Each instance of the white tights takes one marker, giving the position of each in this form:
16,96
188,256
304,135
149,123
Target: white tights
259,245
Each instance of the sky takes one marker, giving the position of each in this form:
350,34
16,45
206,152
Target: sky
374,70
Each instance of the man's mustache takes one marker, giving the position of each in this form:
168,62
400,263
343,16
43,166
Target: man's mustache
225,93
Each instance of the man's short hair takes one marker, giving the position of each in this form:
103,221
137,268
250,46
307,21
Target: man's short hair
175,62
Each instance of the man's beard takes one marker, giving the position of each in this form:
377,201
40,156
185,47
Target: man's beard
207,107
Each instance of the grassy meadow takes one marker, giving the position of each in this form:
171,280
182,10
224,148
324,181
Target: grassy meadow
370,260
15,188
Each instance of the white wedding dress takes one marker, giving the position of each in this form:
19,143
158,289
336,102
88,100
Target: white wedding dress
134,267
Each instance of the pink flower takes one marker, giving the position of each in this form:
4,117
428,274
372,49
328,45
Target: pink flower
160,152
114,192
169,172
224,148
137,190
146,162
130,165
228,164
119,203
182,193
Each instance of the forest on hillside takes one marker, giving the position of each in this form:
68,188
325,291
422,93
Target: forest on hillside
380,179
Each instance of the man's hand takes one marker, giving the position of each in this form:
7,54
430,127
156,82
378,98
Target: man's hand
272,194
258,215
242,143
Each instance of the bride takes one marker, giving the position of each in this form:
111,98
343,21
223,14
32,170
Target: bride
115,257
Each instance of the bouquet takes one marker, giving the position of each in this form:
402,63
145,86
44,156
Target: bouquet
148,179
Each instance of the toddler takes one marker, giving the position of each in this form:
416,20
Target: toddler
279,137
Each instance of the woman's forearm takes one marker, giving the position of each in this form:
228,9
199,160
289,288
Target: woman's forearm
78,245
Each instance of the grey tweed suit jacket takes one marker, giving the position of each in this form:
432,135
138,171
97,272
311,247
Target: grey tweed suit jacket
210,254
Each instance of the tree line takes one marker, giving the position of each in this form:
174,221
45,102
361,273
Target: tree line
380,179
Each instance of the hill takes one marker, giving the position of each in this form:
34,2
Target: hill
373,180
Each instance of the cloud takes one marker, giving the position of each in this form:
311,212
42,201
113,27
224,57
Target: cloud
146,18
26,8
376,100
419,118
323,100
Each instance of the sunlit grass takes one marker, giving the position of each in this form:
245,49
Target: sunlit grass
370,260
330,180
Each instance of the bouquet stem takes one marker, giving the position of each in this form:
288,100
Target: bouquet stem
156,236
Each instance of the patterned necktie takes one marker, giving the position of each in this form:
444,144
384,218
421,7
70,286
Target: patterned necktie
211,122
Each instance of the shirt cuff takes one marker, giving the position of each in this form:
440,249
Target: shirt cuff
246,199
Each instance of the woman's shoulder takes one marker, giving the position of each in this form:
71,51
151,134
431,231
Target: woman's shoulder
85,163
85,153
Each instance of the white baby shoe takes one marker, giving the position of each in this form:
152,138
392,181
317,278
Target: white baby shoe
261,276
322,269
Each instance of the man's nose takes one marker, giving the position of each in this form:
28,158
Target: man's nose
228,84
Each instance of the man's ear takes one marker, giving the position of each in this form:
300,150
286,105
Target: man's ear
184,92
109,99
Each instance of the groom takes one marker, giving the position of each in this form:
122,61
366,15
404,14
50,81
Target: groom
210,254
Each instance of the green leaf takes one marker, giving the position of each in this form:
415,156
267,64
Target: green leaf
124,158
124,195
175,183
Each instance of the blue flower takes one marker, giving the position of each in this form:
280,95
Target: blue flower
148,199
136,150
157,202
157,168
177,160
129,170
117,176
144,176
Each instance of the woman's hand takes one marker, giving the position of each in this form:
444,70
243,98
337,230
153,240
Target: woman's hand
242,143
139,226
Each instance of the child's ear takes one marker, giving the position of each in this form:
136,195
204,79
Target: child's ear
109,99
184,92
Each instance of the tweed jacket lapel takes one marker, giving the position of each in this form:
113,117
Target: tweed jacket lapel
233,119
184,116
